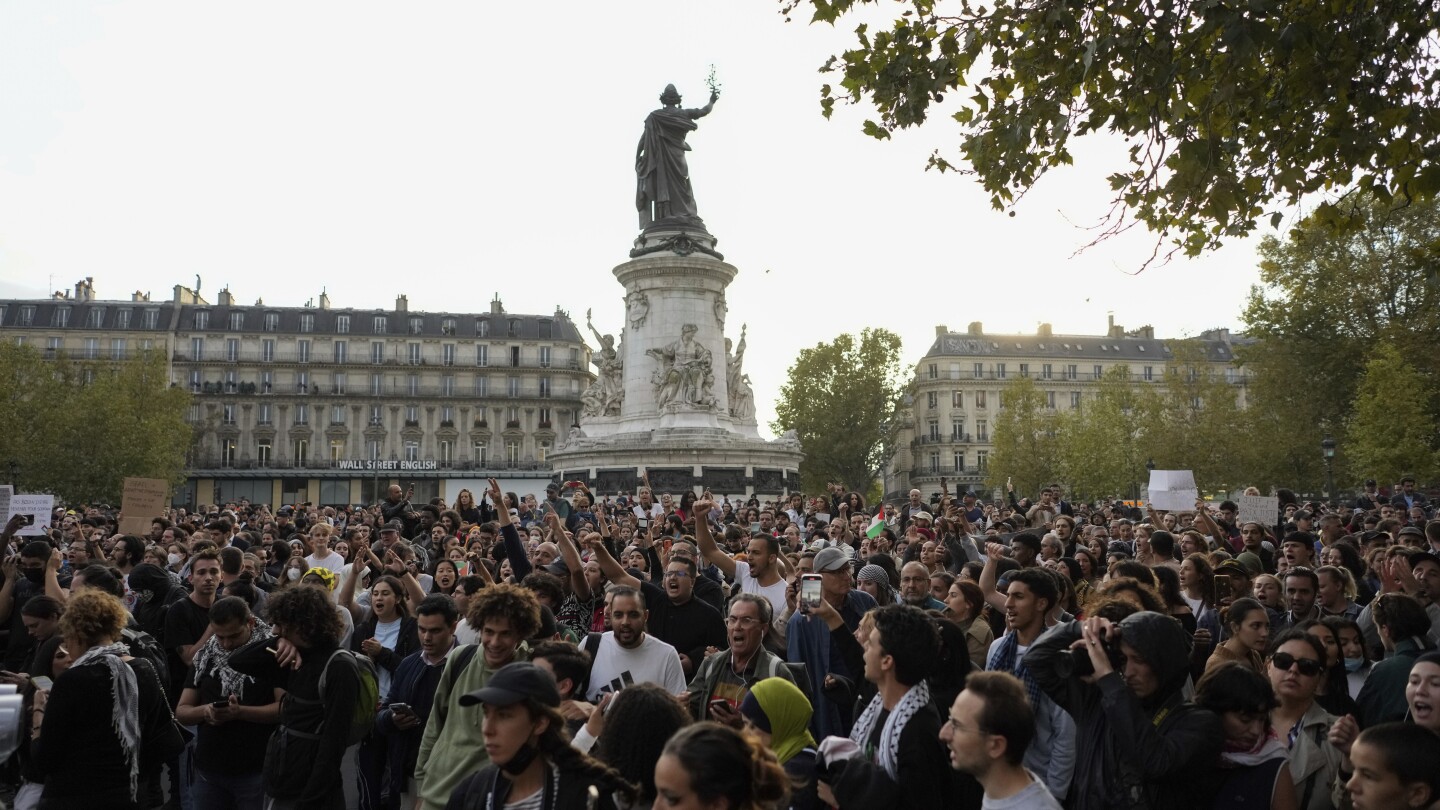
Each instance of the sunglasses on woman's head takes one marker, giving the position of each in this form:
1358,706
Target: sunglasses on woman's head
1309,667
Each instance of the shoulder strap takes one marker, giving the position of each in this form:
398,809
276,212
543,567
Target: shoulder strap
462,660
592,644
325,673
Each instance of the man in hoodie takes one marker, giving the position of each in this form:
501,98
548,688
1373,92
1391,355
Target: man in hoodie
1139,743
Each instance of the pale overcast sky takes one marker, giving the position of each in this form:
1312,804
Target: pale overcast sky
454,150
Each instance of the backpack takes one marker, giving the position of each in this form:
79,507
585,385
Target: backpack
142,645
367,700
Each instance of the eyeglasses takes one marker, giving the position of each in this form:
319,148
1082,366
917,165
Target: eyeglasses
742,621
1309,667
956,728
676,574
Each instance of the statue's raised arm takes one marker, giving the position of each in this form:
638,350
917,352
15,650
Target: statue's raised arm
663,195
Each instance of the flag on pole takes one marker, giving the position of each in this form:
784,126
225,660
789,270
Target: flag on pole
877,523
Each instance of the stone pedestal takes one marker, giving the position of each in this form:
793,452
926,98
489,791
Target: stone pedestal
676,416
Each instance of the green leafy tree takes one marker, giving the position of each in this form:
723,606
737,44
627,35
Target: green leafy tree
79,429
1200,420
842,399
1026,446
1104,445
1228,108
1391,433
1324,303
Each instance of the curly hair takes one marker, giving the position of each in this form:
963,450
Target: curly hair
93,617
1146,595
512,602
727,764
307,611
640,721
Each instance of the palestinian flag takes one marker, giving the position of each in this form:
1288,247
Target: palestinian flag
877,523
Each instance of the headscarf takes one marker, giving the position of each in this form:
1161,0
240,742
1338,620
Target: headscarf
778,707
325,574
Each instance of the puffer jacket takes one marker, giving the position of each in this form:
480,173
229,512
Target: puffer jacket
1132,754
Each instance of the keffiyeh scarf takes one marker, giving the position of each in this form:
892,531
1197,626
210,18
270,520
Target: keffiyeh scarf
1003,660
124,712
212,659
888,755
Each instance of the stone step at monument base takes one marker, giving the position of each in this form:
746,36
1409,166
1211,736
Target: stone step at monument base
677,460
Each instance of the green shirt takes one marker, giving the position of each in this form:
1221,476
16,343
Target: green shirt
453,746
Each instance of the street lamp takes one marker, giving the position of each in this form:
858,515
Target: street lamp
1327,449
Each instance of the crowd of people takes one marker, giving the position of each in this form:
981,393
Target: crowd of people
664,650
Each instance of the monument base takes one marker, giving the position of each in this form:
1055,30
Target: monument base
681,458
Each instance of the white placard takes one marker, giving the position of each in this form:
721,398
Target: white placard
1173,490
37,507
1262,509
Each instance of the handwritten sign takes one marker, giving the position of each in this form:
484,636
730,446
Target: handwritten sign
1173,490
35,508
141,501
1261,509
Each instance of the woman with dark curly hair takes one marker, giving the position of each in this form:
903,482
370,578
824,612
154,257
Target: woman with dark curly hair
107,705
303,758
530,756
710,765
633,731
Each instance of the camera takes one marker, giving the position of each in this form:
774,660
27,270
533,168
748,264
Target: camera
1081,665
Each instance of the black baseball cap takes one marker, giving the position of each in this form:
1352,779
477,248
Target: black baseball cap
513,683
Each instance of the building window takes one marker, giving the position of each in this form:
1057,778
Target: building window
374,449
447,415
959,460
197,348
342,324
302,351
447,326
412,451
934,463
267,350
545,356
377,352
414,350
307,322
447,385
267,381
514,328
412,415
444,453
151,319
194,381
982,461
957,430
512,416
980,400
1099,372
337,414
932,399
92,349
122,319
514,356
447,354
232,381
237,321
544,387
512,386
482,454
377,384
1050,399
337,450
61,318
95,318
982,430
202,319
482,355
544,417
542,449
227,453
1000,371
232,350
376,417
302,382
1024,369
378,325
932,371
417,325
262,414
302,414
1149,373
27,316
933,429
262,454
1074,400
341,383
52,345
547,330
271,322
482,327
342,351
412,384
117,348
229,414
957,399
301,450
1045,372
954,371
1072,372
512,452
482,386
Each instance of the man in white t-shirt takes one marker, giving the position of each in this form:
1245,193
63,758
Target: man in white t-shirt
628,655
764,572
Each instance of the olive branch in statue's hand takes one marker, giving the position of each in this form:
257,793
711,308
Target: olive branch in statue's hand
713,84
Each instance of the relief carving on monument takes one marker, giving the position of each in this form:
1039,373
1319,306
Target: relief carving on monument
607,393
685,377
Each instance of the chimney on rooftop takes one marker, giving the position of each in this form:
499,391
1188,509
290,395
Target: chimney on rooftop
496,308
402,304
976,329
324,299
941,330
1044,330
225,299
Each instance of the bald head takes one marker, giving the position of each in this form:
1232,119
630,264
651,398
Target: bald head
915,584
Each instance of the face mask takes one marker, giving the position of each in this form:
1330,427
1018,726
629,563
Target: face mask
521,760
1354,664
173,559
293,574
35,575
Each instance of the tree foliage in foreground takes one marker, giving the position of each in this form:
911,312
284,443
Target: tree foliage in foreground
79,429
842,399
1230,110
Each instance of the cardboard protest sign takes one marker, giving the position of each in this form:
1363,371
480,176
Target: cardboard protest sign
141,501
36,510
1173,490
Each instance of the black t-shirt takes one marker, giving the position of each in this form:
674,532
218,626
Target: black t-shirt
236,748
20,645
185,623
